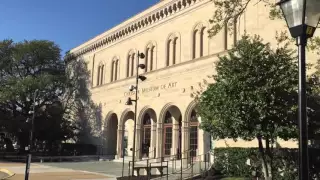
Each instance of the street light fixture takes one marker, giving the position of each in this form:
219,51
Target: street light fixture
129,102
28,161
302,17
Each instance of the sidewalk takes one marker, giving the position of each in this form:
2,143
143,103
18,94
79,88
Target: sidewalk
41,172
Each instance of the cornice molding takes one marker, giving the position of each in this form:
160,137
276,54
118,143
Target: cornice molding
161,13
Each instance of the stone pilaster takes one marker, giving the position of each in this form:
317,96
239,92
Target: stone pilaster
138,142
185,141
119,142
198,43
153,143
175,139
159,144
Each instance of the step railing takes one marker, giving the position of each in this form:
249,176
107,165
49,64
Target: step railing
171,159
185,167
195,166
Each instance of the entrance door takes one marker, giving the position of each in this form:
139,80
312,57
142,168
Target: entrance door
146,141
146,136
193,141
167,139
179,139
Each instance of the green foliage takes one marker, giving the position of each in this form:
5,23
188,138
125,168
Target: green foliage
32,70
253,94
228,10
35,69
233,162
84,112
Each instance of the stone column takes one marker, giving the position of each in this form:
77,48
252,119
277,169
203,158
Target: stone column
119,142
174,51
175,138
148,59
152,59
185,140
138,143
170,51
203,141
134,62
197,43
185,143
201,43
159,144
153,143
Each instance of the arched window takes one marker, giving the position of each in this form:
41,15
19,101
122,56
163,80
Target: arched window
150,57
131,64
193,140
115,69
167,134
168,52
100,74
173,50
199,41
146,134
194,43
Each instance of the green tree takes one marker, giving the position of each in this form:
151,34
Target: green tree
26,68
254,96
63,106
226,11
85,114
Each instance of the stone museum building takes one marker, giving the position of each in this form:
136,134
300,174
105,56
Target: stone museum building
179,57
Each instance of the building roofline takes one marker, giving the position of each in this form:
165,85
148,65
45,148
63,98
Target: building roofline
127,20
155,13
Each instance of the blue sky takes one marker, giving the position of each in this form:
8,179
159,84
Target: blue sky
66,22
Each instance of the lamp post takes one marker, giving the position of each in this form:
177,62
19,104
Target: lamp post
28,160
302,17
129,102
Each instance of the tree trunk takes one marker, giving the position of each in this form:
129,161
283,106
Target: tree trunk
265,168
269,155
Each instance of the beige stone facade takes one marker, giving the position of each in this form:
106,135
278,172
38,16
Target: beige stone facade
179,56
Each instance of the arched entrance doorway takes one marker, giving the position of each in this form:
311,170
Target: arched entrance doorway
110,133
172,138
127,134
193,140
148,134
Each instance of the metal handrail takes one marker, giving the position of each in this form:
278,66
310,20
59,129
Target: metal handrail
190,164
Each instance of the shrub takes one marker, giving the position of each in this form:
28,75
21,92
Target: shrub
233,162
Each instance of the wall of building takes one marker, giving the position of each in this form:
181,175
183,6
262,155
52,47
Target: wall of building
167,88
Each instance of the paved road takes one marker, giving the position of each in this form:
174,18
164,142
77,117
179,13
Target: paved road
104,170
104,167
45,172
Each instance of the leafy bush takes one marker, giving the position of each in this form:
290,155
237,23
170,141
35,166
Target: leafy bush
233,162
